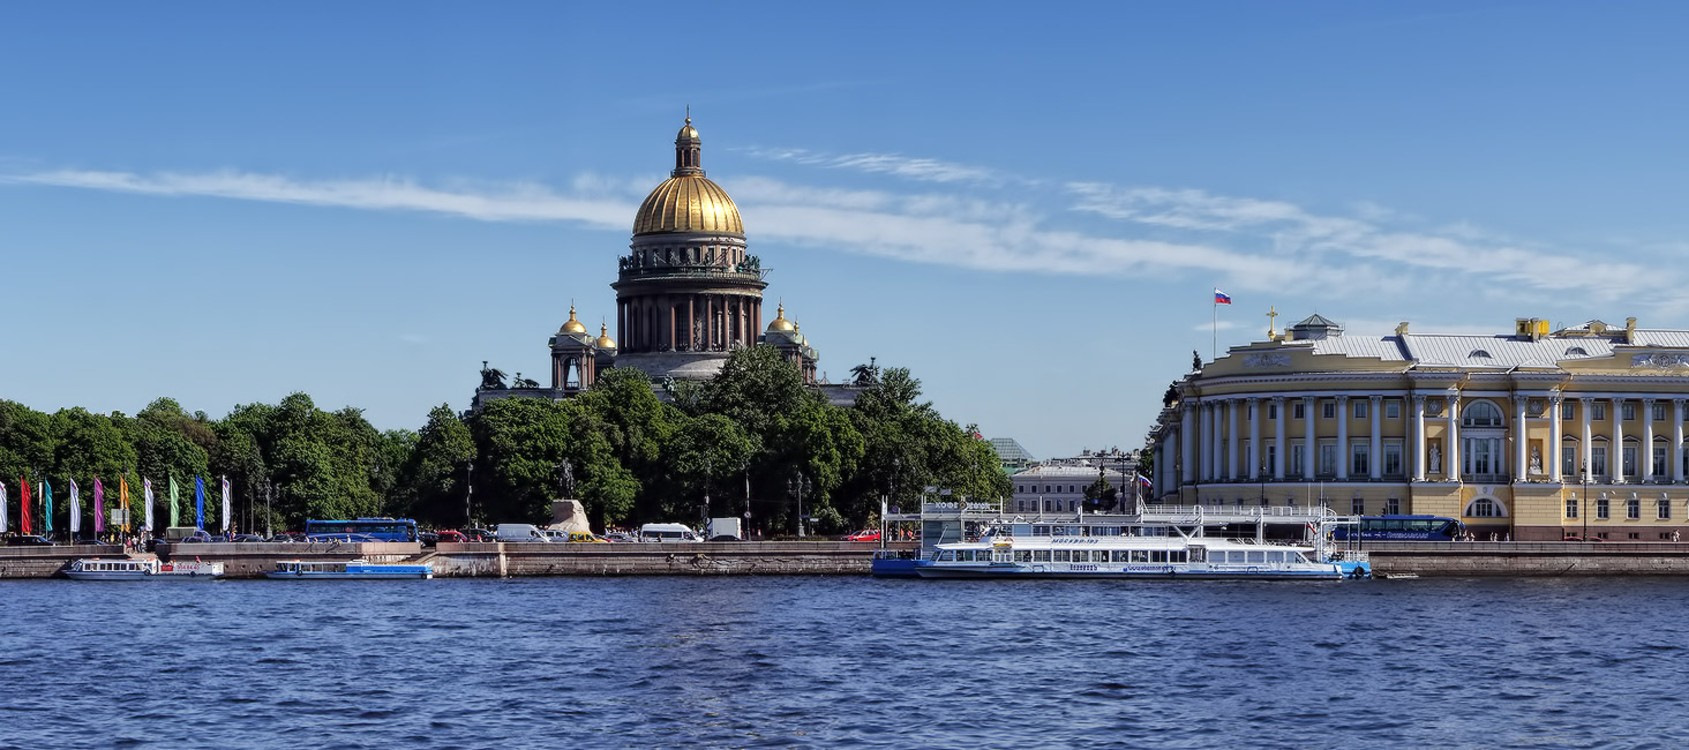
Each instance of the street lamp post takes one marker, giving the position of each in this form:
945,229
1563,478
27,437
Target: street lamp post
469,495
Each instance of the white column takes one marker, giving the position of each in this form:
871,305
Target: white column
1342,437
1187,443
1205,441
1308,404
1215,440
1451,438
1255,407
1231,438
1418,437
1554,439
1278,438
1588,438
1615,454
1676,440
1647,457
1521,449
1376,461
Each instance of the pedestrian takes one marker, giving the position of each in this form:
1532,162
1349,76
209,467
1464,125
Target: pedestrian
1675,535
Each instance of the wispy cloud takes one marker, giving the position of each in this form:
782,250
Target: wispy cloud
506,202
908,167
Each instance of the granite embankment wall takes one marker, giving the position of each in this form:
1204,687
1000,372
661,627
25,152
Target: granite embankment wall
45,562
1529,558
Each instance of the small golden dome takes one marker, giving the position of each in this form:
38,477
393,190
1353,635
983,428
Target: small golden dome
572,325
687,201
780,323
604,340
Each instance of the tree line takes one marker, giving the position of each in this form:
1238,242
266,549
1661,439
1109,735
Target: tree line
754,439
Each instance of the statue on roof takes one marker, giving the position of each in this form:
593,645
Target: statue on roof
491,379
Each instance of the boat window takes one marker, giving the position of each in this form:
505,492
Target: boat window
1140,555
1023,555
1177,556
1118,555
1257,556
1275,556
1042,555
1063,555
1158,555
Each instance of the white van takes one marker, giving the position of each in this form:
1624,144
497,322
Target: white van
519,532
668,532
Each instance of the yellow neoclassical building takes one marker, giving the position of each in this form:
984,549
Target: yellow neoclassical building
1532,435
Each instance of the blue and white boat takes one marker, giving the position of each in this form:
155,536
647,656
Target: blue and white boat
343,570
1157,557
126,569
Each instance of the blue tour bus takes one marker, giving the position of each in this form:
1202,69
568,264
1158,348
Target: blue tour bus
361,530
1405,529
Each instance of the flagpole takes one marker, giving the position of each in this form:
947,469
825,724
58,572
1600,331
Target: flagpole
1214,345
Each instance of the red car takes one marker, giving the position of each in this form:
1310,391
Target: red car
865,535
451,536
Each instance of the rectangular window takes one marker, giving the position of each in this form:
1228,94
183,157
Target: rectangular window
1629,460
1598,460
1659,411
1271,459
1300,412
1360,409
1633,509
1597,411
1566,409
1659,460
1662,508
1601,508
1392,408
1328,459
1298,458
1568,459
1627,410
1328,409
1357,507
1393,506
1392,459
1360,455
1272,411
1572,507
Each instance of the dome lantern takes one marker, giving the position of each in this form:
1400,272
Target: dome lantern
572,325
688,201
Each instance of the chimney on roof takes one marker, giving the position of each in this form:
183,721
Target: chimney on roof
1630,330
1401,328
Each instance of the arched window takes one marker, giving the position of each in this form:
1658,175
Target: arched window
1485,507
1479,354
1482,414
1577,351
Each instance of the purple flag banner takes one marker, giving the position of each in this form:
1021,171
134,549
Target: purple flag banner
99,507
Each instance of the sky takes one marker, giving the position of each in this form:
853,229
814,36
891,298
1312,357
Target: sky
1027,205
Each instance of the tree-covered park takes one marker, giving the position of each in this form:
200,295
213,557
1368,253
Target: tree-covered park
755,439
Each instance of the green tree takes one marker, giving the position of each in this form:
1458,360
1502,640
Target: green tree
522,443
432,481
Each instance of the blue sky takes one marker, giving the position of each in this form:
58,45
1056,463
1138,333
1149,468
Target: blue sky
1027,205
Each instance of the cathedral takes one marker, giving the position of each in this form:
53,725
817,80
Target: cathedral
688,293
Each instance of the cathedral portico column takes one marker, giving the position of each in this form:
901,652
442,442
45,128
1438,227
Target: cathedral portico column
1187,443
1255,413
1615,459
1375,463
1418,438
1554,439
1647,456
1204,438
1308,440
1231,438
1342,437
1214,445
1279,447
1676,451
1521,465
1587,448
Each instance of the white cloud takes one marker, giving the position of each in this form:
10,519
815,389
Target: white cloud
910,167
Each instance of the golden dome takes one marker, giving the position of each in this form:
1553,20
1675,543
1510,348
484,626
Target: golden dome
572,325
780,323
604,340
687,201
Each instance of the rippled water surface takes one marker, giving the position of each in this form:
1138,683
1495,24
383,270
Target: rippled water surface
843,662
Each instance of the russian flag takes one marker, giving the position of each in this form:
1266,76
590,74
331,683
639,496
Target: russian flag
1221,298
1143,480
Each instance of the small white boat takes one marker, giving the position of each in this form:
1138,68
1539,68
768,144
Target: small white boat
125,569
359,569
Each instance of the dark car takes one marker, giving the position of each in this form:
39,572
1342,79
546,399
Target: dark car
29,540
724,538
248,538
428,538
288,536
480,535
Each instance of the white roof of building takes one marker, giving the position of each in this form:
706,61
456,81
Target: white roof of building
1491,351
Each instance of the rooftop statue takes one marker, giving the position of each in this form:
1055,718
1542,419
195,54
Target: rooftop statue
491,379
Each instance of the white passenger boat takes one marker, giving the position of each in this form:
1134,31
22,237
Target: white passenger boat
360,569
123,569
1178,556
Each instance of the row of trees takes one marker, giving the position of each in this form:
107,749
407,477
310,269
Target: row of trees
755,439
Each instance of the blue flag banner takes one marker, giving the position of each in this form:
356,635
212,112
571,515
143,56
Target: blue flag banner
199,502
47,506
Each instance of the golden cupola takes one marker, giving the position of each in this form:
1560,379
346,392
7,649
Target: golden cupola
688,201
780,323
572,325
604,340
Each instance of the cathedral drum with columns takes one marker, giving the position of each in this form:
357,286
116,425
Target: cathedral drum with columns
1534,435
688,294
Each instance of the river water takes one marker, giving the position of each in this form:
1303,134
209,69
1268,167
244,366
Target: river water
843,662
